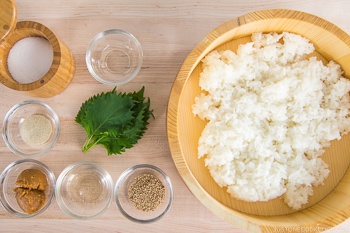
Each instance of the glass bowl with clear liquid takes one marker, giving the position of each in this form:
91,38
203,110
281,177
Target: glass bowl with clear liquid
84,190
114,57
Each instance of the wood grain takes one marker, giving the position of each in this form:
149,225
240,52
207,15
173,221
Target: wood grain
8,17
168,31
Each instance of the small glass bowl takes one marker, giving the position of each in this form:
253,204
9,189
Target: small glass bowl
11,128
114,57
84,190
121,192
7,184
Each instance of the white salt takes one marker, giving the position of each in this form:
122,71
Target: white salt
30,59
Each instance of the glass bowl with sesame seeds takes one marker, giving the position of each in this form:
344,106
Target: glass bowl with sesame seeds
30,128
143,193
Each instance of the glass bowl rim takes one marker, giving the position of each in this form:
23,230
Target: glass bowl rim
128,172
60,201
99,36
51,177
12,111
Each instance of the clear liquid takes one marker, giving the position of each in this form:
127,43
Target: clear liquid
85,188
115,60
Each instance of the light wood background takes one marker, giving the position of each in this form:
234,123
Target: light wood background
168,31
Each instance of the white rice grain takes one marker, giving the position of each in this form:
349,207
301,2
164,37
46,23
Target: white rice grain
270,113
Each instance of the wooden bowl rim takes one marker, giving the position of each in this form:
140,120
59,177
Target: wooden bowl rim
245,221
12,21
41,30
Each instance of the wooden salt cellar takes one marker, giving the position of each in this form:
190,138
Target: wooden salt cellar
62,68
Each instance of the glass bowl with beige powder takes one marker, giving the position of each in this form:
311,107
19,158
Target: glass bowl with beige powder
27,188
84,190
30,128
143,193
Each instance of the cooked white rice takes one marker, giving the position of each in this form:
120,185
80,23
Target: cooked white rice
270,113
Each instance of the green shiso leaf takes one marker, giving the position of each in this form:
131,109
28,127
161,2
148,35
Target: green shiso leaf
114,120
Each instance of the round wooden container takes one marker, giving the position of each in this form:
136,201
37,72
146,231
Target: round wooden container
330,204
62,68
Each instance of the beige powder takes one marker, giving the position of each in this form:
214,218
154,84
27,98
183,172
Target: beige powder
36,130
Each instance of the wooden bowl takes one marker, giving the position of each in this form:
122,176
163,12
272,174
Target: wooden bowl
62,67
330,204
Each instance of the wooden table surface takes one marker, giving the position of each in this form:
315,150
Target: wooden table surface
168,31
